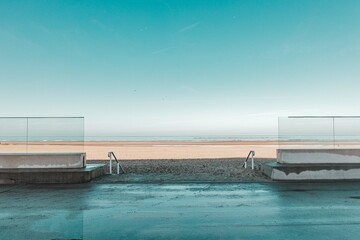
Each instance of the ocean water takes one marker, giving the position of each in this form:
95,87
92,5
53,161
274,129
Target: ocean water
140,138
183,138
326,138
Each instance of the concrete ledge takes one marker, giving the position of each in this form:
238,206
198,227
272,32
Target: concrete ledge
309,172
318,156
41,175
42,160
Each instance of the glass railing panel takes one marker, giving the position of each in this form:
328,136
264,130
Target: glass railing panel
347,132
13,135
306,132
56,134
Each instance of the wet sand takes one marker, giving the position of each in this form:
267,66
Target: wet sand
185,170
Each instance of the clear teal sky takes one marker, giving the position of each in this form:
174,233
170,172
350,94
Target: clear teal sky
179,67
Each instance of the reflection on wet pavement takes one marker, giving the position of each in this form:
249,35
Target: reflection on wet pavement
181,211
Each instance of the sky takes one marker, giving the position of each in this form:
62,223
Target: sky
185,67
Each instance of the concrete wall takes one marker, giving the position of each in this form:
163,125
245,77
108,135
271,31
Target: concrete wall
42,160
323,174
318,156
51,175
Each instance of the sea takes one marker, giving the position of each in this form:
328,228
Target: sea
223,138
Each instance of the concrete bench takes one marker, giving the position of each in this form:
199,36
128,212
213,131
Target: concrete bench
314,164
318,156
42,160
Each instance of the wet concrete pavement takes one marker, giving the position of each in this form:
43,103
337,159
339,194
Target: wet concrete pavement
181,211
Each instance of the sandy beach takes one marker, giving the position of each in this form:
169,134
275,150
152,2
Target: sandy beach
179,150
127,150
137,150
165,161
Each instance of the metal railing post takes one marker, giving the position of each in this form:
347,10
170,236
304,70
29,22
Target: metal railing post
118,165
252,159
251,154
110,166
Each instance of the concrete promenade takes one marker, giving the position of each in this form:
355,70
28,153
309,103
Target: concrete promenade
181,211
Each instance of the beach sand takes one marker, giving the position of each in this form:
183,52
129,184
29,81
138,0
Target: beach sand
131,150
170,161
165,161
127,150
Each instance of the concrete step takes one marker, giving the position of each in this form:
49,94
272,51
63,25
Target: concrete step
51,175
310,172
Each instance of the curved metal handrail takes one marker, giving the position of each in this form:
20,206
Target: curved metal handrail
118,165
252,153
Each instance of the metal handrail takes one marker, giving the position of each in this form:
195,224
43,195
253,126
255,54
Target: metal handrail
118,165
252,153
